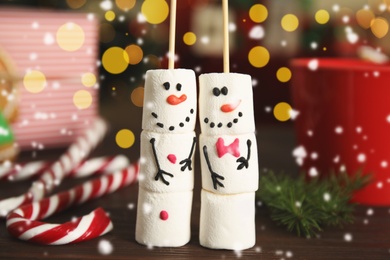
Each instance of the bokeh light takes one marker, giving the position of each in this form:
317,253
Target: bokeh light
88,79
364,17
135,54
82,99
125,138
322,16
380,27
290,22
70,37
283,74
258,13
155,11
282,111
125,5
75,4
153,61
189,38
107,32
258,56
34,81
137,97
115,60
109,15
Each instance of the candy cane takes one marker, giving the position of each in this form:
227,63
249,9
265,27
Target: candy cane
23,222
59,169
104,164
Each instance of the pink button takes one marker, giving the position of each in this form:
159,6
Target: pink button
163,215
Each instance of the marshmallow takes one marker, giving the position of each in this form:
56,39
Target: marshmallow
172,152
169,101
226,104
225,156
227,221
163,219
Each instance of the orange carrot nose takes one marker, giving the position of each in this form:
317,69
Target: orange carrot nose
226,108
174,100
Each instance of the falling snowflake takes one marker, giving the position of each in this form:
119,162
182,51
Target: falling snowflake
313,172
313,64
289,254
345,19
336,8
293,114
257,32
300,154
105,247
238,253
384,164
147,208
338,130
327,197
106,5
314,155
361,157
130,206
314,45
348,237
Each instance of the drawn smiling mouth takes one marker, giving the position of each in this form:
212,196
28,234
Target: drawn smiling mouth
226,108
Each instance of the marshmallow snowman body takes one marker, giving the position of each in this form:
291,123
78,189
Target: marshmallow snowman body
228,152
227,221
168,143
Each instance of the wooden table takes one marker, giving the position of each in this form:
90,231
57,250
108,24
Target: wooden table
370,233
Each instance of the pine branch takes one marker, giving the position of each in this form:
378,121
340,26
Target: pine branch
305,207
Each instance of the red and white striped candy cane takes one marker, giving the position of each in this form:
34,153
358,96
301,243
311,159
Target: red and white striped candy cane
23,222
59,169
98,165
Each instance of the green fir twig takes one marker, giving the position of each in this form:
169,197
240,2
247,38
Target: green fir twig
306,207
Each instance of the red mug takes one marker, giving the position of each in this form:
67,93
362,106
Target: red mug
344,120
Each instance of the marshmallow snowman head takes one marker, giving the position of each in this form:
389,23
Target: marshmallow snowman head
226,104
169,101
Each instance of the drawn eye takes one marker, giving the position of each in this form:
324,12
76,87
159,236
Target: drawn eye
224,91
166,85
216,92
178,86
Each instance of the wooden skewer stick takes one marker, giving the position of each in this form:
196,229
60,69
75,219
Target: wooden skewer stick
172,34
225,9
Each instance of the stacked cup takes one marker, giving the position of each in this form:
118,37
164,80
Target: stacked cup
229,162
168,141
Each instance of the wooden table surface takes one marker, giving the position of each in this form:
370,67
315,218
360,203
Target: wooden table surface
370,233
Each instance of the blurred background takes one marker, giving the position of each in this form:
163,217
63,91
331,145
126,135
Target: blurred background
132,37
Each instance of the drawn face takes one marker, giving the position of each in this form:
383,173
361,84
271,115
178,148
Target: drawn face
169,101
225,103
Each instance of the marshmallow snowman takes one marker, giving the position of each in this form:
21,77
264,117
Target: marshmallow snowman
229,165
168,144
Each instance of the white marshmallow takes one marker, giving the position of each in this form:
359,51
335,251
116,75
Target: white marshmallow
171,149
223,152
226,104
172,110
163,219
227,221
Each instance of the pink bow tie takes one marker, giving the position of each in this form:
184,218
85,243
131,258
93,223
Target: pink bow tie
233,148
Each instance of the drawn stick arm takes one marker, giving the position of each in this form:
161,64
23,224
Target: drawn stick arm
214,176
160,173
